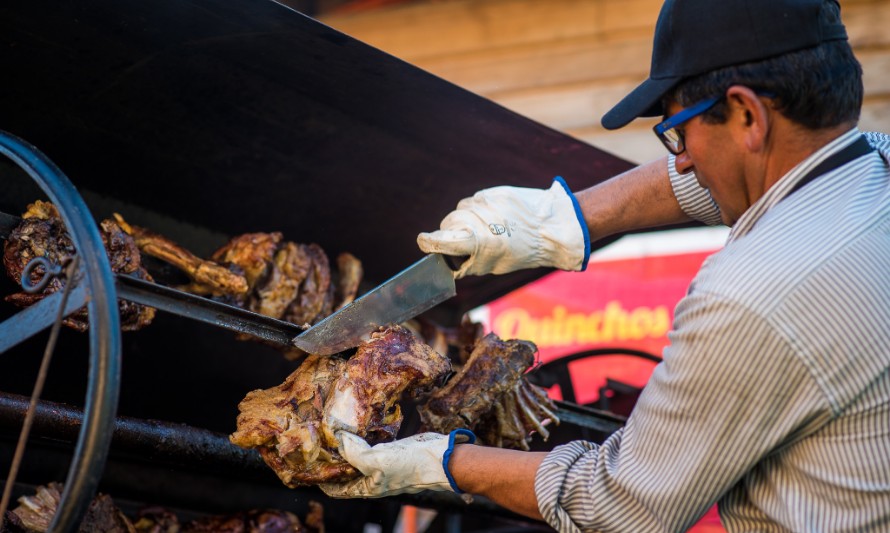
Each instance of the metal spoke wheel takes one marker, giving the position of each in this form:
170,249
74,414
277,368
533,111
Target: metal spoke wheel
96,289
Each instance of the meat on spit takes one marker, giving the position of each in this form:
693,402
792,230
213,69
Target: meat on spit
35,513
491,396
42,233
207,277
293,425
261,272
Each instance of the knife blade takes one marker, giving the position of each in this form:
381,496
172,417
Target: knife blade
421,286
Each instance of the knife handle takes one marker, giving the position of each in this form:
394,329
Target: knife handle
454,262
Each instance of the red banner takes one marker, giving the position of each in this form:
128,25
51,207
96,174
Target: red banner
625,299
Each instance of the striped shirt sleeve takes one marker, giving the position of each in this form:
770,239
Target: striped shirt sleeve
694,200
729,391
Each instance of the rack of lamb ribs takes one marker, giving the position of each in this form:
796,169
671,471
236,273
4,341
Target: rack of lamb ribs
491,396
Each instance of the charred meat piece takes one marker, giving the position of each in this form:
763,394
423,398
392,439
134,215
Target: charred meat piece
293,425
103,515
262,273
36,512
288,270
253,521
350,270
12,524
314,301
208,277
252,252
490,396
457,341
42,233
156,520
315,518
284,424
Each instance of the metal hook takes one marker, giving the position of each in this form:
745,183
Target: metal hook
50,271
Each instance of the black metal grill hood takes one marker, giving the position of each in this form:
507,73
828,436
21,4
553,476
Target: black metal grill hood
244,115
205,119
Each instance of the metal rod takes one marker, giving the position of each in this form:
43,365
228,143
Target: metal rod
589,418
148,439
206,310
34,319
7,224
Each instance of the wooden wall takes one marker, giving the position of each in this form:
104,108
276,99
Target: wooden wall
566,62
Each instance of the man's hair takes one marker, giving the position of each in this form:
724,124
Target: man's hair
818,87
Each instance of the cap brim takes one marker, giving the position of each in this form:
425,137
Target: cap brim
644,101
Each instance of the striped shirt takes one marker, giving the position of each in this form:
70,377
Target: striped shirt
773,398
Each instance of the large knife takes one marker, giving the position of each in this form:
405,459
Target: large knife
412,291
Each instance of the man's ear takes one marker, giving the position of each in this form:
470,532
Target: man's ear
749,116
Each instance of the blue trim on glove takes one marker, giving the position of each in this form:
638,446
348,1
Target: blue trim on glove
580,216
447,455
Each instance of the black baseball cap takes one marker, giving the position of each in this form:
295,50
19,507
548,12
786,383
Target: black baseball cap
697,36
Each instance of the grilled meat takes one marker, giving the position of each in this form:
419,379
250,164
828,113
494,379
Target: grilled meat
156,520
42,233
263,273
315,300
36,512
351,272
293,425
491,396
208,277
287,271
160,520
253,521
252,252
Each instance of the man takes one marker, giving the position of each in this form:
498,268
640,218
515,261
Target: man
774,395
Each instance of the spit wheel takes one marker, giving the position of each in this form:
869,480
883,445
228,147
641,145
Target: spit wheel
103,380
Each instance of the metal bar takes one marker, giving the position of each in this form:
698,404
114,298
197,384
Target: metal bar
162,442
34,319
586,417
206,310
7,224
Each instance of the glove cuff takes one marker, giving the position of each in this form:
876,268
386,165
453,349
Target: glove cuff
470,439
580,216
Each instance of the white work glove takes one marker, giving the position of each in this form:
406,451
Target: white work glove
503,229
407,465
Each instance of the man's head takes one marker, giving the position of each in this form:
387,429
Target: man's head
724,41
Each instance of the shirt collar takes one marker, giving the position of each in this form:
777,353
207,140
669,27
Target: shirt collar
786,183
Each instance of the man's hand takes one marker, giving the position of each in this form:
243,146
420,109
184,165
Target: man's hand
408,465
503,229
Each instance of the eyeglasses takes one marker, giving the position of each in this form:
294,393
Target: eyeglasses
667,131
672,138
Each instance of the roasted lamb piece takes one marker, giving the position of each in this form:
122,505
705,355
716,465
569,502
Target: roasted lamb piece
259,521
491,396
35,513
456,341
156,520
42,233
293,425
351,273
261,272
207,277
